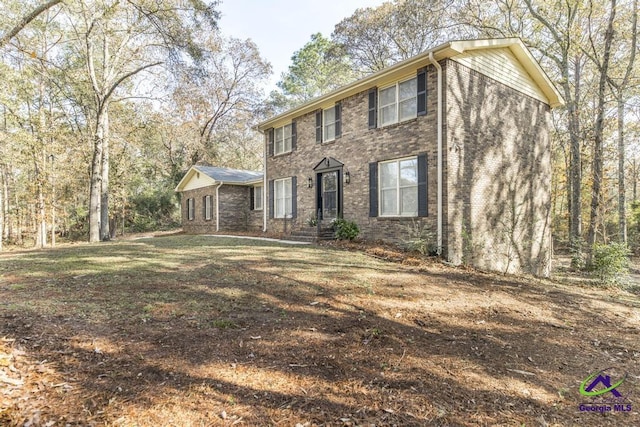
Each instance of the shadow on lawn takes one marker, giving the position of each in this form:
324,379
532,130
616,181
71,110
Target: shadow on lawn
254,330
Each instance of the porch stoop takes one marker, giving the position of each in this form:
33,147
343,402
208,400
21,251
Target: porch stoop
311,234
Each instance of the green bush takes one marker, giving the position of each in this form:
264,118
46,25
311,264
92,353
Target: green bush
610,262
345,230
422,239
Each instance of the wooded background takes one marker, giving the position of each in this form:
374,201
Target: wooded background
106,103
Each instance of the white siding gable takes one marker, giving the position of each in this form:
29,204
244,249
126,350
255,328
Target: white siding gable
196,181
503,66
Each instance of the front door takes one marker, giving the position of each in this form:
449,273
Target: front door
330,195
329,191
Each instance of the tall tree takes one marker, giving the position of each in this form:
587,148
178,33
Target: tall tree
118,41
602,62
318,68
375,38
620,87
220,98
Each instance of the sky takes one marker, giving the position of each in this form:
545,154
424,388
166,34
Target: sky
281,27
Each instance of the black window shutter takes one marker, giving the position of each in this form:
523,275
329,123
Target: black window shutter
294,136
294,197
252,192
338,112
422,185
373,108
318,126
270,138
204,207
373,189
271,201
422,92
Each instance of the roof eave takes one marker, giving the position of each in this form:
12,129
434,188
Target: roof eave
440,52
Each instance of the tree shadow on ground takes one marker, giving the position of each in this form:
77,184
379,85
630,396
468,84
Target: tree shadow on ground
279,336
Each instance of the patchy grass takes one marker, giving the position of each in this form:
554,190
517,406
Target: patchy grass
188,330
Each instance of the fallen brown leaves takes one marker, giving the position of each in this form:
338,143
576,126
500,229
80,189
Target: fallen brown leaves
187,330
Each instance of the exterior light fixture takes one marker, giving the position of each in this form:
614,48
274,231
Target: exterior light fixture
347,177
310,182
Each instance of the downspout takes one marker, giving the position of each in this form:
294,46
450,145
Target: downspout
264,187
218,206
439,139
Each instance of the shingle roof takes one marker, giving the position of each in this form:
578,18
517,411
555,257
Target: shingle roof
230,176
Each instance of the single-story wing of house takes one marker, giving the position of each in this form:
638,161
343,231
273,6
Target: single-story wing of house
221,200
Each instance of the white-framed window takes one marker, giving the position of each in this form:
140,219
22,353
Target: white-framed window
282,140
191,207
329,124
399,187
398,103
207,202
257,197
282,198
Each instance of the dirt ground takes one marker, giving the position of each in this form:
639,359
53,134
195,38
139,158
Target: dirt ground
207,331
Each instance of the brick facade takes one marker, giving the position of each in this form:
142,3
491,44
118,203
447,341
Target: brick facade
234,210
499,175
356,148
497,171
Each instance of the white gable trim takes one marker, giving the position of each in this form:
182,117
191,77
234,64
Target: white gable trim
194,179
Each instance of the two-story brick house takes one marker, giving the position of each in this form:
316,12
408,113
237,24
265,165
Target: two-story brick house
455,139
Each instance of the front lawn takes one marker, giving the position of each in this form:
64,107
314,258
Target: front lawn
198,331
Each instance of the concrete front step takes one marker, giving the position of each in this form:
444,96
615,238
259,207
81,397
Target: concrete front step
310,234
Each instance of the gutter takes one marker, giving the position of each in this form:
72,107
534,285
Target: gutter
264,184
218,206
439,108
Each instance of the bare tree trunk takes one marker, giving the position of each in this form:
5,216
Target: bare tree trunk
598,154
622,189
95,189
104,190
575,170
635,181
5,214
2,203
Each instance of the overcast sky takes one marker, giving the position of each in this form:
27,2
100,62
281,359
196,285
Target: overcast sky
280,27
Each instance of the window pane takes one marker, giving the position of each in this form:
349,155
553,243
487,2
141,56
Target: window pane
287,131
408,109
389,201
279,134
388,115
330,132
389,175
409,172
330,115
388,96
286,145
408,89
409,201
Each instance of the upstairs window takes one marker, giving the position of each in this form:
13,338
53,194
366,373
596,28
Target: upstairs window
329,124
397,103
282,140
402,101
